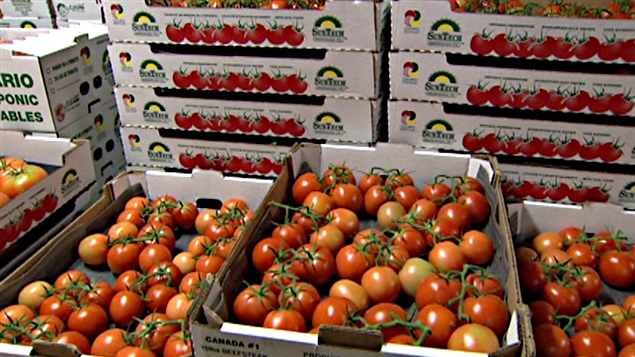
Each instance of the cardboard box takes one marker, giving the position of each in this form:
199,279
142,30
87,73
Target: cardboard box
342,73
215,335
28,8
60,253
566,185
53,79
426,125
78,10
29,22
431,25
338,119
148,147
356,25
429,76
71,170
528,219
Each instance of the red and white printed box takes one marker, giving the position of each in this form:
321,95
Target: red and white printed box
146,147
427,125
70,170
431,25
429,76
355,25
338,73
565,185
335,119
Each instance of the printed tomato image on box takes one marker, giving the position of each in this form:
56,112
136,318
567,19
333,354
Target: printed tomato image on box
302,24
597,31
427,125
341,119
502,87
338,73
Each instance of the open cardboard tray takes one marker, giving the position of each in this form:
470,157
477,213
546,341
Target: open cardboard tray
326,72
528,219
440,77
337,119
71,171
431,25
428,125
210,317
60,253
359,25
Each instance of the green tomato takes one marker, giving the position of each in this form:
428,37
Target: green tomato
412,273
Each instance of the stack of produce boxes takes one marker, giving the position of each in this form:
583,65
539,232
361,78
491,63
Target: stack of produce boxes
214,88
543,83
28,14
59,83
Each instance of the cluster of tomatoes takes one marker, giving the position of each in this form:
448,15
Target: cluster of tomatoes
557,100
23,221
143,313
240,4
521,46
618,9
368,274
554,191
234,164
235,123
241,34
564,275
245,81
17,176
565,148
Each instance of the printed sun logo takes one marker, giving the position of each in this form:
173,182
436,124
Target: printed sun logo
328,22
125,59
329,118
144,18
446,25
129,100
154,107
84,53
330,72
27,25
134,140
439,125
116,11
411,70
151,65
442,77
69,176
70,181
99,122
408,117
158,147
412,18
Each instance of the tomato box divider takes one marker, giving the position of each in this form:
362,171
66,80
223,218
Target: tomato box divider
209,316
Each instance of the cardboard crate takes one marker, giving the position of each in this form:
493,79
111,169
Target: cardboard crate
566,185
70,171
215,335
147,147
425,124
78,10
528,219
431,77
356,25
60,253
338,119
341,73
431,25
53,79
31,8
29,22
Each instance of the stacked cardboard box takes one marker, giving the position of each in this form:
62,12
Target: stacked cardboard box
233,89
553,92
49,13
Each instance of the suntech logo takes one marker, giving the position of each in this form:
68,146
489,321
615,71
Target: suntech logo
27,25
152,71
116,11
159,152
445,33
438,131
330,78
628,193
155,112
128,100
70,182
409,118
328,123
144,23
99,122
411,70
442,84
328,29
412,18
84,53
134,140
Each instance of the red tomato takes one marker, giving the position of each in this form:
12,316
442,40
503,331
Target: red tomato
152,254
335,311
16,181
353,260
125,307
447,256
76,339
617,269
551,340
153,333
442,323
473,338
384,313
109,342
305,184
290,320
437,193
90,321
178,344
565,300
542,313
437,290
93,249
534,278
315,264
302,297
252,305
593,343
477,247
122,257
382,284
488,310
